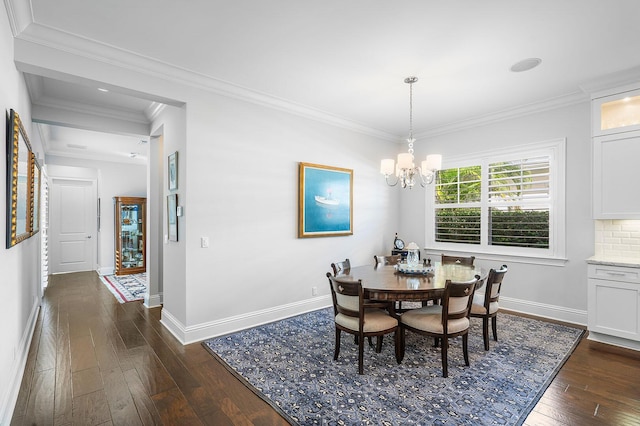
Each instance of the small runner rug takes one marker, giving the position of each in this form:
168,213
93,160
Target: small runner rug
290,365
126,288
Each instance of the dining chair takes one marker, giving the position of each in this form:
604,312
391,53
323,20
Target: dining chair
387,260
340,268
344,268
443,322
485,305
352,316
459,260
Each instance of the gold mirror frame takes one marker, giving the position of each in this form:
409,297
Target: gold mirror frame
19,182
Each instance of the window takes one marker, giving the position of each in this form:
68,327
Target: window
507,202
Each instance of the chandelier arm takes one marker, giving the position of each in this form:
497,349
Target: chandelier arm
386,178
426,180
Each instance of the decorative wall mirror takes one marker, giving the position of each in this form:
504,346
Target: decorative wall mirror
19,182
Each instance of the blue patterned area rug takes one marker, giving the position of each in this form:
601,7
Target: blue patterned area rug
126,288
290,365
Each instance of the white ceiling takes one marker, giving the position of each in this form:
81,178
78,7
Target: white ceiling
349,58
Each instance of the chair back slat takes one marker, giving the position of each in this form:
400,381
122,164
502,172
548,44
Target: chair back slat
387,260
457,260
347,295
494,285
457,300
341,268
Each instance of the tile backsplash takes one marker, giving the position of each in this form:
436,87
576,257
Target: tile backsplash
617,238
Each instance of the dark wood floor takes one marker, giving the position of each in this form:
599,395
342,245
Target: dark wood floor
93,361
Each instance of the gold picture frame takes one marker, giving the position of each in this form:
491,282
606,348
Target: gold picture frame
325,201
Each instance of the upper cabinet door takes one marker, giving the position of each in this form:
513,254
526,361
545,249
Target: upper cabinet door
616,180
616,113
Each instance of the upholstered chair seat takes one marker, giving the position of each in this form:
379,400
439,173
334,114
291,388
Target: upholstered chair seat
429,318
478,305
374,320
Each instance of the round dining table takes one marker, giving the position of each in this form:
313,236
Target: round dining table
387,283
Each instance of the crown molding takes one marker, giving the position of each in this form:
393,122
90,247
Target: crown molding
524,110
154,110
101,52
630,76
20,15
90,49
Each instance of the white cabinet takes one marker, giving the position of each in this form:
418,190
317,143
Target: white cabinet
614,305
615,117
615,176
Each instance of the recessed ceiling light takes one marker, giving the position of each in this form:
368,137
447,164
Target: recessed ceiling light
102,89
525,64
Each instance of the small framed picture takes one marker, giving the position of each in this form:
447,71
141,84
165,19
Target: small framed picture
172,217
173,171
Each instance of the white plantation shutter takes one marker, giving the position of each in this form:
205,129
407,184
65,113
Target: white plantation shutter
519,202
519,180
516,207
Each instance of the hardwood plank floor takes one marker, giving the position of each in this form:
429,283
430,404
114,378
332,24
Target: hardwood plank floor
94,361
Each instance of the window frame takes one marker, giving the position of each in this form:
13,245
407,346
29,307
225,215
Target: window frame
556,151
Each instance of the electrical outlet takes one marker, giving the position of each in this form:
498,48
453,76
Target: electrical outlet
204,242
314,291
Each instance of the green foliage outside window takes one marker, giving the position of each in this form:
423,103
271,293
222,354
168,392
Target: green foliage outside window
521,228
459,185
458,225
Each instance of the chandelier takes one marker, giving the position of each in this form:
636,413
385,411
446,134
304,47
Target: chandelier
405,171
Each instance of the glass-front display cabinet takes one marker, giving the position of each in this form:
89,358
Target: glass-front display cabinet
130,235
616,113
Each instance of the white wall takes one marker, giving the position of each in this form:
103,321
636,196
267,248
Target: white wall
114,179
554,291
20,265
243,194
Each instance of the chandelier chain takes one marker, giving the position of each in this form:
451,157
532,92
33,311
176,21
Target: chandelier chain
411,80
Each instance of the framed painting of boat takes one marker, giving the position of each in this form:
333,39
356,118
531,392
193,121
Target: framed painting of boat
325,201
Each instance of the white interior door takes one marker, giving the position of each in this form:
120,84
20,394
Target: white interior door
72,225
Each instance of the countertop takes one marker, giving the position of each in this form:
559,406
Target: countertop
619,261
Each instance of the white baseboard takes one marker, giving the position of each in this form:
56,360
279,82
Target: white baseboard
106,270
613,340
152,300
198,332
224,326
559,313
20,361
